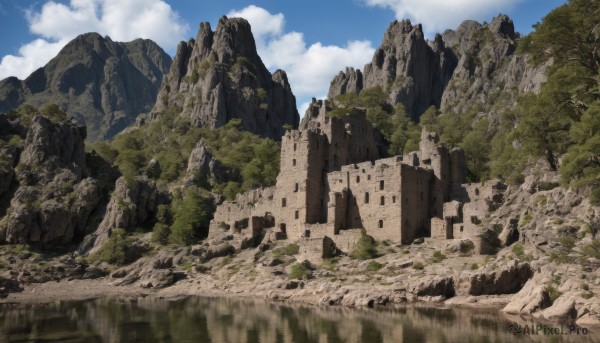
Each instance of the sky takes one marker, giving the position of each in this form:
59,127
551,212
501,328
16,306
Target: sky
311,40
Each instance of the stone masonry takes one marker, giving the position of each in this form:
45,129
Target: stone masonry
333,184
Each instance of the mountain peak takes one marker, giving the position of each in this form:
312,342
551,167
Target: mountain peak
219,77
233,38
503,26
102,83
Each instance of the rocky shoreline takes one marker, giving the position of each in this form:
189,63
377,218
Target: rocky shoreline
396,278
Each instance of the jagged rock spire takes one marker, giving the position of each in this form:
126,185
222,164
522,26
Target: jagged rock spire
219,76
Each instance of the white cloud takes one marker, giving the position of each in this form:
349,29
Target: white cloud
263,23
439,15
31,56
58,23
310,69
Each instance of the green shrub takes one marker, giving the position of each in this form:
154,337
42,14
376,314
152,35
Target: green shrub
567,242
225,261
364,249
525,219
518,250
204,67
160,233
288,250
553,293
53,112
592,249
437,257
114,250
299,271
474,266
560,257
261,93
374,266
329,263
418,266
195,76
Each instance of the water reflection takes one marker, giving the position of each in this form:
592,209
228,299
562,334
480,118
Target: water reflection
218,320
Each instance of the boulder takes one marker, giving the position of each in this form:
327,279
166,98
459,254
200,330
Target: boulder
9,286
433,286
462,246
216,251
155,272
531,298
507,279
202,165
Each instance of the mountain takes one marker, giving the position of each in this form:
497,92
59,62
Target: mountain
460,69
103,84
219,76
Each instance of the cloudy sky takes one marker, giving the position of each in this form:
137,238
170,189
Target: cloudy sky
311,40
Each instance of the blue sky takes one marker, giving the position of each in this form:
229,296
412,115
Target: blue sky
312,40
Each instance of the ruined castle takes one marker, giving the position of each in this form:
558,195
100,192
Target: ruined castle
333,184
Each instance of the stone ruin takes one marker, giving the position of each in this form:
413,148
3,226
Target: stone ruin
333,184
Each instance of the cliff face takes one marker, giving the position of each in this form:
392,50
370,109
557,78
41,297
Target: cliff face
104,84
457,71
49,187
219,77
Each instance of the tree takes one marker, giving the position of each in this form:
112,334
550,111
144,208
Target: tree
130,162
581,165
428,119
544,120
405,134
192,217
476,146
570,34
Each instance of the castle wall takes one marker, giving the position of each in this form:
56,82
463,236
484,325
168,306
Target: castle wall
387,197
415,199
346,239
315,249
351,139
300,188
239,213
441,229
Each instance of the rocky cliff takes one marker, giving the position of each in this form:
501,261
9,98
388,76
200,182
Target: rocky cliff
459,70
50,188
131,204
102,83
219,76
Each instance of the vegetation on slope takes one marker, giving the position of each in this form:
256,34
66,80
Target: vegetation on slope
561,124
250,161
400,133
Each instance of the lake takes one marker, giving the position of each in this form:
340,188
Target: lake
220,320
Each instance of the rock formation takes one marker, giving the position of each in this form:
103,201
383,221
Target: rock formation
457,71
350,81
102,83
131,204
202,165
51,192
219,76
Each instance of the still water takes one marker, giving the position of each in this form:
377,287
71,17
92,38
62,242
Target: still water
220,320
